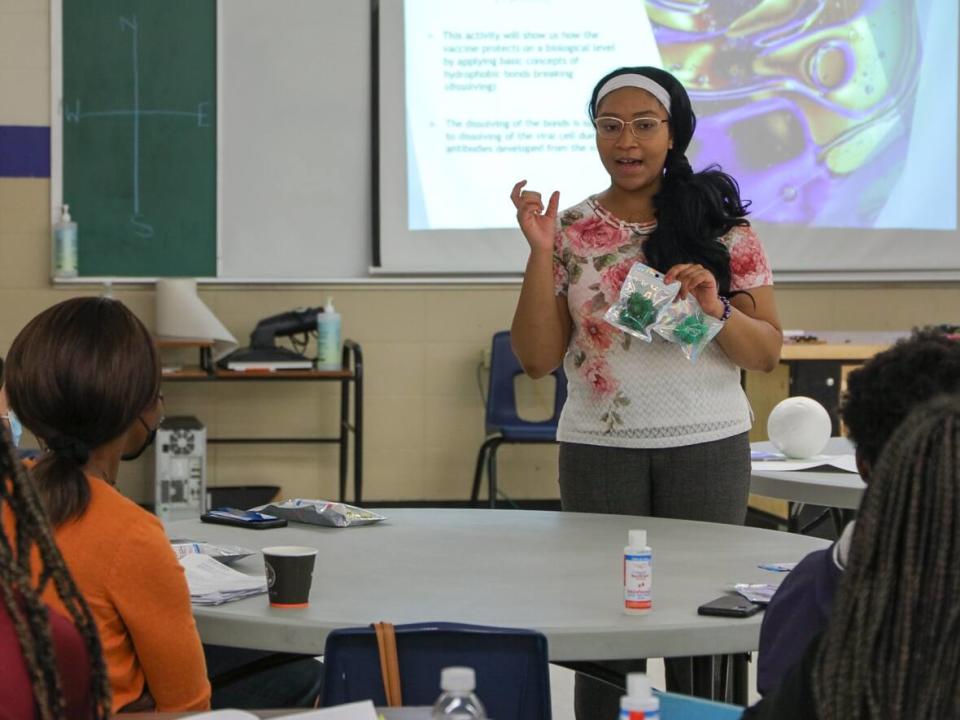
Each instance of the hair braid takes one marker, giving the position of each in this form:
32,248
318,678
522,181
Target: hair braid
22,599
892,648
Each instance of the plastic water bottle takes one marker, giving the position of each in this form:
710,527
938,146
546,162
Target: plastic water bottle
457,699
64,263
639,703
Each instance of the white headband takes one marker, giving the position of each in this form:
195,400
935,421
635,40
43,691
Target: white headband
637,81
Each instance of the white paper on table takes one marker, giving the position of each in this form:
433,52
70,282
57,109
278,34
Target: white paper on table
771,462
223,715
213,583
363,710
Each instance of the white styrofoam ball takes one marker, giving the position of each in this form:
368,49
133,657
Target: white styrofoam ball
799,427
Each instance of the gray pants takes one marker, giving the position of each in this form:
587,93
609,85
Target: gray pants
709,482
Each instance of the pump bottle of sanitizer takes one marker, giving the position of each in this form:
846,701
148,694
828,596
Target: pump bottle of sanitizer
64,256
328,338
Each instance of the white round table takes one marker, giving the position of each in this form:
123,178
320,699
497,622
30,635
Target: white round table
829,488
558,573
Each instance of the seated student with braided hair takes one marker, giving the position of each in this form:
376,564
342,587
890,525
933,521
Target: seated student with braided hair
84,378
879,396
891,649
51,667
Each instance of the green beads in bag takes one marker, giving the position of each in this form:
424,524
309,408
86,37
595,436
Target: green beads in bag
639,312
686,324
642,297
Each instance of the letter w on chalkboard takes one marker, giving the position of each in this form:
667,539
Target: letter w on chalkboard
140,135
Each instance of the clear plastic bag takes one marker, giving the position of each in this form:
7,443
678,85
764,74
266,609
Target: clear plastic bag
227,554
642,298
685,323
321,512
760,593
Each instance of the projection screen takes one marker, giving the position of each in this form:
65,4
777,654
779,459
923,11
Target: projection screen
839,120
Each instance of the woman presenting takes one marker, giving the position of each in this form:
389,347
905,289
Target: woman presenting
643,431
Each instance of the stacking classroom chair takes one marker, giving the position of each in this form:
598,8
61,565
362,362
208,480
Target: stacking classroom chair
503,422
513,678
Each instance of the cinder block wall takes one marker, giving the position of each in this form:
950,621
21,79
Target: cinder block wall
422,344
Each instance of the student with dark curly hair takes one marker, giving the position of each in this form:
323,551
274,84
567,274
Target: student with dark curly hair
640,423
891,648
879,396
52,663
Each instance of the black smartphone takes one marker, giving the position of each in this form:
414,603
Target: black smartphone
242,518
730,606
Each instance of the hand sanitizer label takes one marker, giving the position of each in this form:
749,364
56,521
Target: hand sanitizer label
639,715
638,581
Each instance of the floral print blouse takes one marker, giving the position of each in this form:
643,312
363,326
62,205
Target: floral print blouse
622,391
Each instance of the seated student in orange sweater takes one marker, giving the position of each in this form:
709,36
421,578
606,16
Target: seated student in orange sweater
84,378
51,667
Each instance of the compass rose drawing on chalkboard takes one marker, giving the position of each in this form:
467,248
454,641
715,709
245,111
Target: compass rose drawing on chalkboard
74,114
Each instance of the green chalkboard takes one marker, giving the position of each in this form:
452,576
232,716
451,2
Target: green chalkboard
139,135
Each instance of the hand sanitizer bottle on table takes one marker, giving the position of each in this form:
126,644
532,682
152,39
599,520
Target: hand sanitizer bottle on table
637,574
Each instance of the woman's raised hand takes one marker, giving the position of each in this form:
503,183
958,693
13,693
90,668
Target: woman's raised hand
538,226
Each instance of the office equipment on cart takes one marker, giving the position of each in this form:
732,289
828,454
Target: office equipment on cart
265,354
350,379
181,460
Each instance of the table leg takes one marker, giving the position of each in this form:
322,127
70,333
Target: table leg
357,424
741,679
703,677
352,351
344,427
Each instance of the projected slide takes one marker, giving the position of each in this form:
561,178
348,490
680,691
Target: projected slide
833,115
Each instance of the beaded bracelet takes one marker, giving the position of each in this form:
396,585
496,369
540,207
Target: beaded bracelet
727,308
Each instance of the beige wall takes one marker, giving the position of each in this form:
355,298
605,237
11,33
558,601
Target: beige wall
422,344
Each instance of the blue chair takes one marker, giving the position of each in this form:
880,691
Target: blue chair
504,424
513,679
684,707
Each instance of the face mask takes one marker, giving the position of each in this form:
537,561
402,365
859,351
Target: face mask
148,441
16,429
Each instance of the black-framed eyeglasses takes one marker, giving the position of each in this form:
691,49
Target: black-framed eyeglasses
643,128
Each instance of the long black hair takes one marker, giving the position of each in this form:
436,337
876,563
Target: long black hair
892,647
693,210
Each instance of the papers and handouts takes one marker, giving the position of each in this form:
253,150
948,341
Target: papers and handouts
213,583
227,554
778,462
363,710
268,366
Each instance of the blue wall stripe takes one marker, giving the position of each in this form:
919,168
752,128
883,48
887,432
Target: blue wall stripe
24,151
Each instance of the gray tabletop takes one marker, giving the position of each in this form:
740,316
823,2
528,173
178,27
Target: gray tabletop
837,489
559,573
